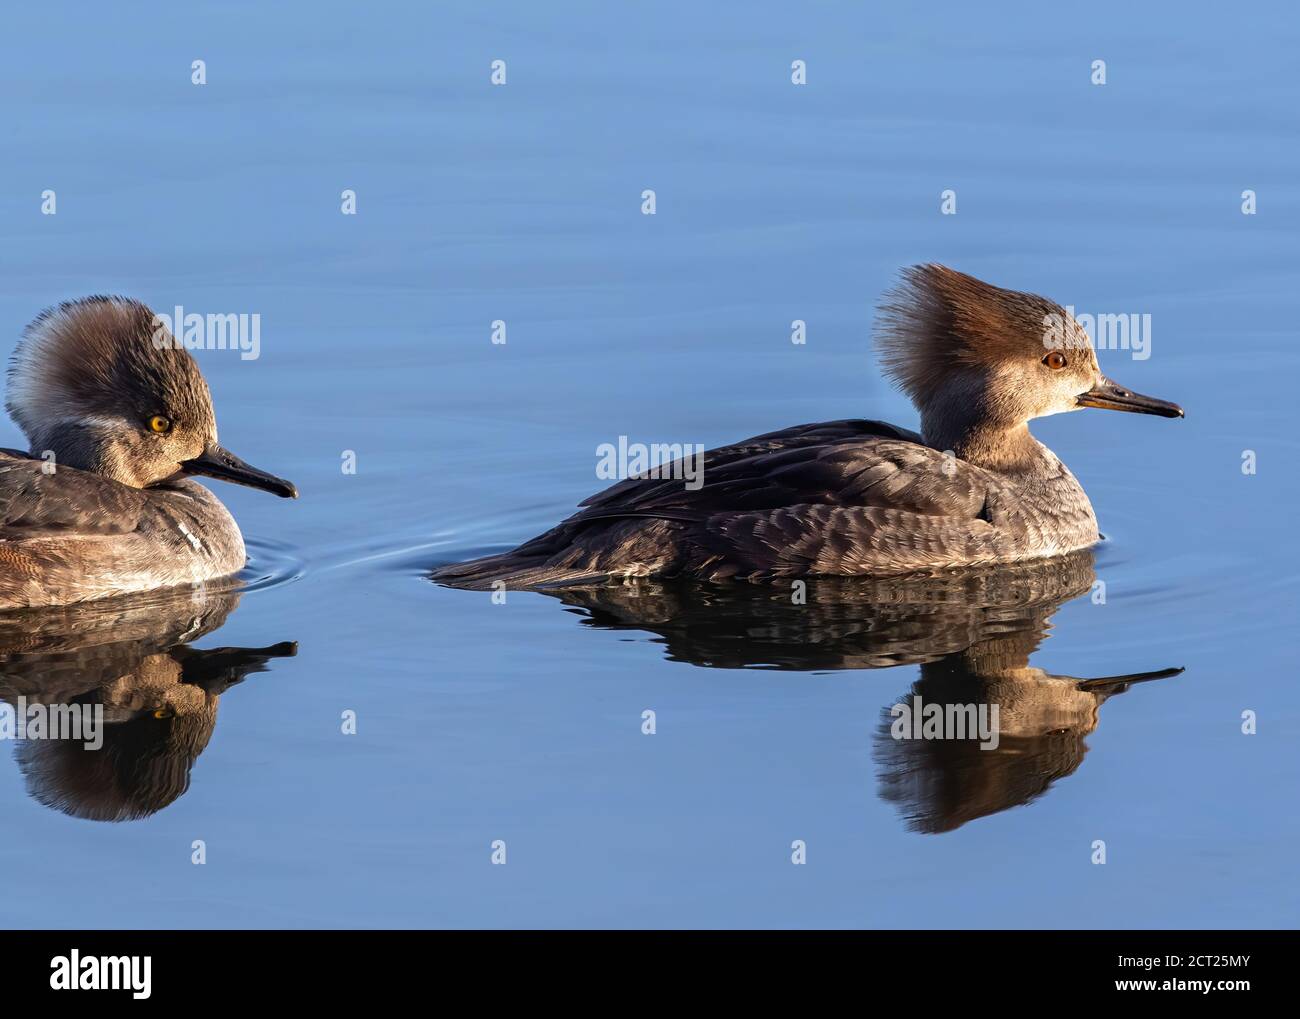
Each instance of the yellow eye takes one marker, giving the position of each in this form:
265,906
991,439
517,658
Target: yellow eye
162,713
1055,360
160,424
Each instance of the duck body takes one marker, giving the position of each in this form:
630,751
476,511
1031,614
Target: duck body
72,535
839,498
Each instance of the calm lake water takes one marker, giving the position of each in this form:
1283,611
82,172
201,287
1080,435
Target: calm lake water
522,722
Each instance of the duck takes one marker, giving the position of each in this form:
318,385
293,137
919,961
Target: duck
119,422
854,498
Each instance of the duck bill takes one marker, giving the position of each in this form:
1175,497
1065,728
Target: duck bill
1108,395
1114,684
216,462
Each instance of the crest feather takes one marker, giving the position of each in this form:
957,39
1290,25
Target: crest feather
937,319
97,357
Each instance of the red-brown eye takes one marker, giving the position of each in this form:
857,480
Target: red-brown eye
1055,360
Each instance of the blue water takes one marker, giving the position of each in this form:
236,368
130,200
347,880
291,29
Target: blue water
479,722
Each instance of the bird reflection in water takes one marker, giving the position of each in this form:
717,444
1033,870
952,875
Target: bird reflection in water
972,633
158,695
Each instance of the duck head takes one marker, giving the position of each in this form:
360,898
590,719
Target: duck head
101,385
976,359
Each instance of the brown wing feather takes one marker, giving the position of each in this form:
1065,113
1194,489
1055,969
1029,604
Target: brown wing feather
839,498
34,504
839,463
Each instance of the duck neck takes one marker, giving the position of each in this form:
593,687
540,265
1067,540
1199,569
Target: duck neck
85,447
1007,448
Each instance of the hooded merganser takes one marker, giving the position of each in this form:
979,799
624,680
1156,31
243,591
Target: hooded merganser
118,417
865,498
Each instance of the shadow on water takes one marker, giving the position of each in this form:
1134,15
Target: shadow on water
972,633
131,659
